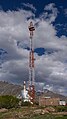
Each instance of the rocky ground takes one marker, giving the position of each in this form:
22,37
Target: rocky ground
32,113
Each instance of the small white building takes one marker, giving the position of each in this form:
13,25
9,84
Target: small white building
61,102
24,93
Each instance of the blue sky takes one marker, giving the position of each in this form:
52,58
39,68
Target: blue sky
50,42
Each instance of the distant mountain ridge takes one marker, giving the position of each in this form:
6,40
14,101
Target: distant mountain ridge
12,89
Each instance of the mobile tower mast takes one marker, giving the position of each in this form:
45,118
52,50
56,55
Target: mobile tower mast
31,66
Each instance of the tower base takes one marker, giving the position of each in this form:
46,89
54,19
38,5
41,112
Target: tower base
31,93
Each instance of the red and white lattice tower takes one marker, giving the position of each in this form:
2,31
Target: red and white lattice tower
31,65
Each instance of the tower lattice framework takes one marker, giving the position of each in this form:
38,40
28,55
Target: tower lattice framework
31,66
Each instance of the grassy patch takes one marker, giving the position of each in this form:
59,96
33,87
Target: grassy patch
61,117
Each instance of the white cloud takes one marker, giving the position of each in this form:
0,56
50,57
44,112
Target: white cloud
49,68
28,5
50,13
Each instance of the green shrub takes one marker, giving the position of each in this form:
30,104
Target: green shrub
25,104
8,101
61,108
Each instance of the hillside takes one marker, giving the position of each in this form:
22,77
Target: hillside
48,93
53,94
9,89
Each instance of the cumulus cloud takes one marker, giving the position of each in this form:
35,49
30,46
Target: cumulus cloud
14,39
